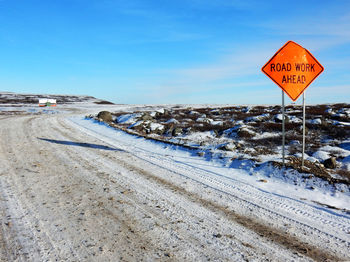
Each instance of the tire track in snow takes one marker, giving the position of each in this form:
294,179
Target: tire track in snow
34,238
82,171
100,163
263,230
90,163
20,220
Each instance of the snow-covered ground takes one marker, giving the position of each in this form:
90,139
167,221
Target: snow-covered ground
254,154
265,177
73,188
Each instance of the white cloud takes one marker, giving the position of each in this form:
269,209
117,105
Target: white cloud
320,31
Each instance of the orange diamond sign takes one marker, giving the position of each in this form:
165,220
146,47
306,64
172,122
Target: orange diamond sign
293,68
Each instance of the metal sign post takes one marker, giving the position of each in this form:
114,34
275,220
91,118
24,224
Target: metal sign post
302,160
283,131
293,68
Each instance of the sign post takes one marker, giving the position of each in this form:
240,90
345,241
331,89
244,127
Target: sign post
293,68
302,160
283,131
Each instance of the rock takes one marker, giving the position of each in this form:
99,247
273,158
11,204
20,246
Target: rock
172,121
138,128
301,130
316,121
245,133
200,153
227,147
294,143
177,131
278,118
330,163
157,128
169,131
263,180
146,117
215,112
246,109
193,113
204,120
187,130
105,116
216,133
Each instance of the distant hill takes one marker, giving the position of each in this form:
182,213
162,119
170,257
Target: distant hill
15,98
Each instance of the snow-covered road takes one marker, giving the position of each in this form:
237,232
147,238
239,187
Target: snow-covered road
75,190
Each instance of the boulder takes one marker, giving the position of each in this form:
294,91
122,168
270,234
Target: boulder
279,117
301,130
166,112
244,132
330,163
200,153
146,117
227,147
177,131
105,116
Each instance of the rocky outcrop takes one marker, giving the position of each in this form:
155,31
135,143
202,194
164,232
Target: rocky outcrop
105,116
330,163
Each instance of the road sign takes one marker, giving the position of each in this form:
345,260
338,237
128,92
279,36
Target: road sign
293,68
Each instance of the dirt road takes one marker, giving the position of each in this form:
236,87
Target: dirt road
69,194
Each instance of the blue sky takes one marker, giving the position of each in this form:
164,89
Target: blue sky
179,51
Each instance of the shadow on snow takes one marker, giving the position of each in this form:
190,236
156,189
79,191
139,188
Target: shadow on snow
71,143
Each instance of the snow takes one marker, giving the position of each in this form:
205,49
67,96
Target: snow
341,123
128,118
257,118
346,163
136,123
217,123
200,136
312,159
341,151
279,117
294,119
321,155
316,121
156,126
161,111
345,145
265,135
172,121
204,120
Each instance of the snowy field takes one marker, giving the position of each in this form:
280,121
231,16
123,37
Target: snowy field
75,188
236,138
